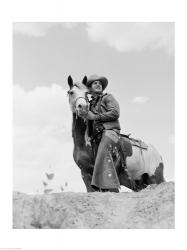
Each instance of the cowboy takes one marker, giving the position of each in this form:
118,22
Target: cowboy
104,113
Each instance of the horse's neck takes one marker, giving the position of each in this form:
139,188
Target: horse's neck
78,131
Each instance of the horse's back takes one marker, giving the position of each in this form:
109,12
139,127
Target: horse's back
143,161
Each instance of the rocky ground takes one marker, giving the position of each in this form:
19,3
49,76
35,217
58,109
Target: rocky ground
152,207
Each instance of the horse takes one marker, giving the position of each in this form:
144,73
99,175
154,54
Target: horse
143,167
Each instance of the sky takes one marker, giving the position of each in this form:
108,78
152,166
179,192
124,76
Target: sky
137,59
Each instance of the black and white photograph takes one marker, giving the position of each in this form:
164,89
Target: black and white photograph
93,125
93,97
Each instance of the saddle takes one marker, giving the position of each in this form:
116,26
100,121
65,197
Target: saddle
125,146
135,142
138,143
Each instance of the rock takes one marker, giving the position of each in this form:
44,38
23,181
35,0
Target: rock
152,207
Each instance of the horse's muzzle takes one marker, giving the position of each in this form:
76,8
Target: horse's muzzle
82,110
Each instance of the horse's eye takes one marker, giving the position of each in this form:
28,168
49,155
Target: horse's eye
70,92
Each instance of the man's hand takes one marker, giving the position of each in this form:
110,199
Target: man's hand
91,115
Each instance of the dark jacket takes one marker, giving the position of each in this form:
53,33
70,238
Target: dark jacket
107,111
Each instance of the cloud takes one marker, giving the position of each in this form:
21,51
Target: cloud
37,29
139,36
41,108
70,25
42,137
140,99
32,29
124,37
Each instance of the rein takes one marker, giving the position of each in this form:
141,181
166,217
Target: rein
76,111
78,98
74,106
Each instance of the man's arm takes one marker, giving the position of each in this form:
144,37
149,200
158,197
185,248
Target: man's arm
112,110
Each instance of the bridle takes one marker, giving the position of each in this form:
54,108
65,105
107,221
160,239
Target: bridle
85,98
78,98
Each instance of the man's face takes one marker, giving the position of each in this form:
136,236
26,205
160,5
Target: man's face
96,87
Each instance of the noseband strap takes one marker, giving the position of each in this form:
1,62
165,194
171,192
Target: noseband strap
78,99
74,105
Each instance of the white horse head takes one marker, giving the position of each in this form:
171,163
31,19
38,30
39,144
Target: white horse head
78,99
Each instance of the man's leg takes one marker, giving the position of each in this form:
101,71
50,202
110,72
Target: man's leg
104,174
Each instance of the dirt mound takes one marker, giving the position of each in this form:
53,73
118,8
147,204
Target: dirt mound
153,207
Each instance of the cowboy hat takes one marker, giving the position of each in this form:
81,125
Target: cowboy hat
93,78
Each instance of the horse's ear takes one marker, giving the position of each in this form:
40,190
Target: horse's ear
70,81
84,81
